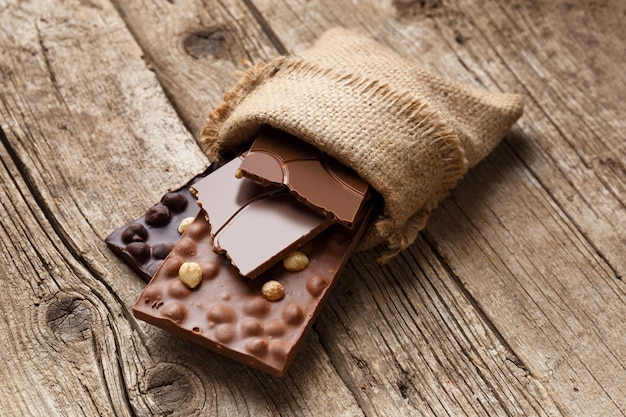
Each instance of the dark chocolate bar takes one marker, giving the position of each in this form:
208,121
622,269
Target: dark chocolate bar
313,177
144,243
233,315
254,225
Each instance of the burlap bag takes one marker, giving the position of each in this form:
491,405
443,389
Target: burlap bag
410,134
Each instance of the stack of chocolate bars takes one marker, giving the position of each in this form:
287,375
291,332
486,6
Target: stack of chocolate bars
244,269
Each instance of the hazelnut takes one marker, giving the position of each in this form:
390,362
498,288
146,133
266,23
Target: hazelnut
184,224
158,215
273,290
160,250
138,250
135,232
174,201
295,261
190,274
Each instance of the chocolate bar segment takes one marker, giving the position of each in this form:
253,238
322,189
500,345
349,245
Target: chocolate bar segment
266,230
222,195
254,225
144,243
228,313
313,177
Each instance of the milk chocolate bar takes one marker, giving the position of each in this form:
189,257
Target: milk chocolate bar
313,177
254,225
222,195
144,243
233,315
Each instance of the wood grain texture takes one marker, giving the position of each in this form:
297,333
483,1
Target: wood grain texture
512,301
196,48
89,141
563,254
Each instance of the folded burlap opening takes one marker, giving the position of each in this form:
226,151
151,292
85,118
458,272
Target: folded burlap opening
409,133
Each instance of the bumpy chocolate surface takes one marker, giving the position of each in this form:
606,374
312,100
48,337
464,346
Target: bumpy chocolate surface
144,243
315,178
227,313
254,225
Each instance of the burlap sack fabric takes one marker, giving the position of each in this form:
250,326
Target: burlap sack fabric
409,133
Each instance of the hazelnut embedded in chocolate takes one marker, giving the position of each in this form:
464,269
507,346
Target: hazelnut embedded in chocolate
138,250
158,215
174,201
184,224
295,261
190,274
135,232
273,290
162,249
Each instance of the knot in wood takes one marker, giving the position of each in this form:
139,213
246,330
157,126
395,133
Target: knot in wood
173,388
69,317
204,43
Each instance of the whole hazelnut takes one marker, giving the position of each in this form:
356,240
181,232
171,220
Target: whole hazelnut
295,261
184,224
190,274
135,232
175,201
273,290
138,250
158,215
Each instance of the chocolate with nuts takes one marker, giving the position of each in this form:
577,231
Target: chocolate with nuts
144,243
255,226
258,322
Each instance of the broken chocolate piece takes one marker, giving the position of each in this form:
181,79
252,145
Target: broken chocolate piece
255,226
234,316
315,178
144,243
266,230
222,196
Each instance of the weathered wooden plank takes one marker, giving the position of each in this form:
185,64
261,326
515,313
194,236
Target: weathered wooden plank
529,49
553,299
89,140
68,124
196,48
409,338
571,141
58,356
564,248
386,388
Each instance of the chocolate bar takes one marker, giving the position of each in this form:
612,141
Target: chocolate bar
313,177
254,225
235,316
144,243
222,195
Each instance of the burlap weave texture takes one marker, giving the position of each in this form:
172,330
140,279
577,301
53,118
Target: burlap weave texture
409,133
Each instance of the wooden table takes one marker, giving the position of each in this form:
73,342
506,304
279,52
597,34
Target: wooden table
511,302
